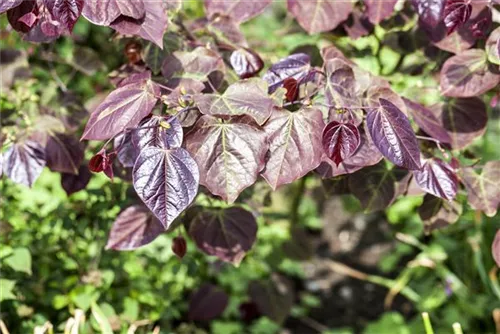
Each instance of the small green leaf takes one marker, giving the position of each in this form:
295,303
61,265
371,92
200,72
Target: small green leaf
101,319
6,287
20,260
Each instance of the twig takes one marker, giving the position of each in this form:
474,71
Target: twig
427,323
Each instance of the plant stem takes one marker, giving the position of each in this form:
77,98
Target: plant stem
427,323
457,329
299,194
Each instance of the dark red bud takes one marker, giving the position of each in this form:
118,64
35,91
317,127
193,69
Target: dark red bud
96,163
292,89
248,311
179,246
102,162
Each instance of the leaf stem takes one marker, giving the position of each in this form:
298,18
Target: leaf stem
427,323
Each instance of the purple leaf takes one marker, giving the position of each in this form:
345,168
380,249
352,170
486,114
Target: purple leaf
74,183
226,30
207,303
124,108
230,154
429,11
104,12
23,17
166,181
158,131
246,63
340,87
437,178
483,190
464,120
366,155
493,47
391,132
379,10
248,97
126,151
376,91
437,213
179,246
134,227
358,26
225,233
5,5
274,297
23,162
467,75
295,66
320,15
427,121
456,13
294,145
376,186
238,10
495,248
155,23
340,141
201,64
64,153
66,12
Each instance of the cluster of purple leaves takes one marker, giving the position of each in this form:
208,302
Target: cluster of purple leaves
336,120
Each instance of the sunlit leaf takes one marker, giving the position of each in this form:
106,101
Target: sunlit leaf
391,132
295,145
297,66
225,233
23,162
248,97
124,108
320,15
467,75
379,10
65,11
230,154
493,46
427,121
429,11
166,181
437,178
158,131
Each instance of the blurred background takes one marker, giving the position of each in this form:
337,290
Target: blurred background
344,271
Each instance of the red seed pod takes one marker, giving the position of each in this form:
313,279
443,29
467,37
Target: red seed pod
179,246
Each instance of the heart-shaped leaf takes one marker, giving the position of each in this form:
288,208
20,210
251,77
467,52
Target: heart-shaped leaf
166,181
124,108
74,183
134,227
23,162
63,153
493,47
464,120
429,12
238,10
248,97
225,233
104,12
246,63
483,190
437,178
378,10
295,145
126,151
467,75
207,303
391,132
340,141
320,15
340,86
427,121
230,154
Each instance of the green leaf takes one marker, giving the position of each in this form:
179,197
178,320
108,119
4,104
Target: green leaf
101,319
20,260
6,287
